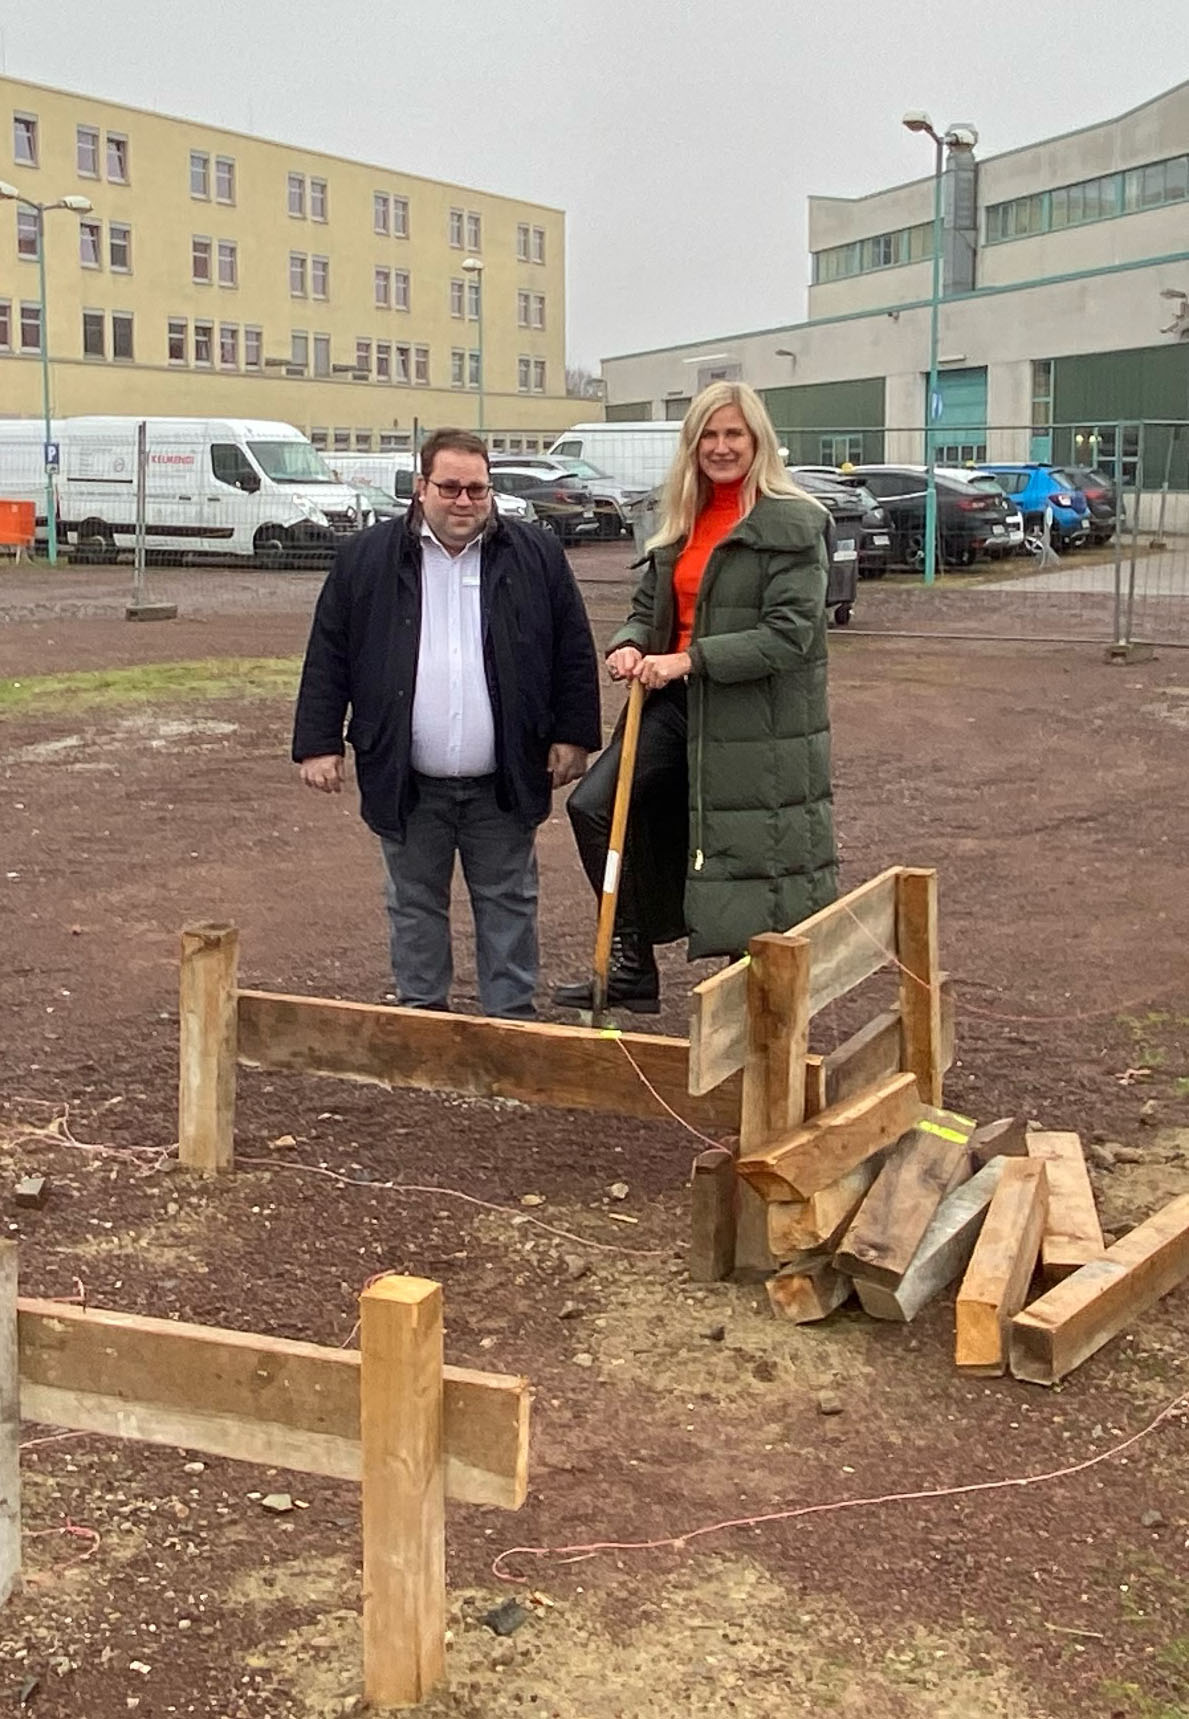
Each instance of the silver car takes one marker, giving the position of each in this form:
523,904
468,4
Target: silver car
613,501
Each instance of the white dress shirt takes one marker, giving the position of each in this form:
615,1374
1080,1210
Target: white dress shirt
453,729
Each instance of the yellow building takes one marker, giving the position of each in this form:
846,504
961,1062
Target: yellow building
222,274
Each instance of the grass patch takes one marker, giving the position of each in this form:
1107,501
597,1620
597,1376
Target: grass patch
150,683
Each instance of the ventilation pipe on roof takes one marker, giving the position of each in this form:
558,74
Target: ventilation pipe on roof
959,243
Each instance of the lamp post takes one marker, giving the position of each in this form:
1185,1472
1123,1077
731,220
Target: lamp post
78,206
474,266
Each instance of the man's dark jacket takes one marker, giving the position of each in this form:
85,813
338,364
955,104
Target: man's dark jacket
362,656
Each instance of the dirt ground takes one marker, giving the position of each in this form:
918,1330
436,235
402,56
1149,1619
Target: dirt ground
1050,791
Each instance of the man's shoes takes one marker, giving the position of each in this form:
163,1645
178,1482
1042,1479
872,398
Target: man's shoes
633,982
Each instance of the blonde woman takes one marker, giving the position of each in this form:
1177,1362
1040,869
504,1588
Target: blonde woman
730,831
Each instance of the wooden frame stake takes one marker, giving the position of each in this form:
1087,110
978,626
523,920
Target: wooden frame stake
207,1047
10,1425
920,980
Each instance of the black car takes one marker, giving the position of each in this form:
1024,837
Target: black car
836,488
968,519
563,504
1101,499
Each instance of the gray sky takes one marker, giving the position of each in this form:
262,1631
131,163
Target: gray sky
682,137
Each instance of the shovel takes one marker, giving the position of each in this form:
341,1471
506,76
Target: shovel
614,865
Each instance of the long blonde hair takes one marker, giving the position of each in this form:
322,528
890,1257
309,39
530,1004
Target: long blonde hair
687,489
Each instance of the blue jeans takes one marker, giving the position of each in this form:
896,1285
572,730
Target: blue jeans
458,815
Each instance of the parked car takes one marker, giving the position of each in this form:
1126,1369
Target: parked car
1013,543
1101,499
562,504
613,501
874,534
1034,487
968,519
381,502
842,540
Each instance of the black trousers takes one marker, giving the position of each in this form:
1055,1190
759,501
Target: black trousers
656,847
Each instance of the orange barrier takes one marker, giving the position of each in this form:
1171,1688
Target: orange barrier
16,523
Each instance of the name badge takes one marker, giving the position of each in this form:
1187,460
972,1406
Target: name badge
470,578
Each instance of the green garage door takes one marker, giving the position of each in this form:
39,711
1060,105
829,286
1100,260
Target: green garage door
959,417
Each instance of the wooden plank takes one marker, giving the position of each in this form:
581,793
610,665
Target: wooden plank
580,1068
919,1171
773,1075
995,1286
1073,1233
1085,1310
206,1047
713,1199
874,1052
849,940
817,1223
1008,1137
920,979
825,1148
10,1425
806,1296
255,1398
404,1494
944,1253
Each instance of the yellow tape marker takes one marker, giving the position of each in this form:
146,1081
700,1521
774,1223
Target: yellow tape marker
610,1032
953,1134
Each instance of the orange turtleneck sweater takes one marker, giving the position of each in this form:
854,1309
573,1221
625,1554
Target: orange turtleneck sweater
716,520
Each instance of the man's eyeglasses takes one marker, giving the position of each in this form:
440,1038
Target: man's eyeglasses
450,489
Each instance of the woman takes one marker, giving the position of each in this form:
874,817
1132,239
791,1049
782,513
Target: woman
730,830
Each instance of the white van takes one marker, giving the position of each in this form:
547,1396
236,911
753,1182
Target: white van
213,486
378,469
636,454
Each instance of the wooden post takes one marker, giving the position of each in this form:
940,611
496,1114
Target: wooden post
10,1425
920,980
773,1073
207,1047
404,1495
714,1197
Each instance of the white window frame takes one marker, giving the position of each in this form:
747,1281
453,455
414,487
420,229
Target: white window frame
381,287
474,368
114,230
454,228
538,245
400,217
200,175
299,350
29,229
457,298
299,274
87,226
128,357
117,143
321,355
402,363
227,329
25,125
177,327
421,371
320,278
540,376
197,242
524,375
402,290
383,361
381,213
204,331
91,134
253,347
228,252
523,242
458,364
523,308
474,230
225,165
363,357
474,298
319,200
97,318
295,196
538,310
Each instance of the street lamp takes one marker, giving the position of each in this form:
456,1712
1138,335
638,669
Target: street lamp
474,266
78,206
966,135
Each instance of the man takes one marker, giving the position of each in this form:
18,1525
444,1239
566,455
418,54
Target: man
459,643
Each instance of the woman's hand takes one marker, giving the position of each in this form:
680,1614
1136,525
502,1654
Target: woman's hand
623,663
656,672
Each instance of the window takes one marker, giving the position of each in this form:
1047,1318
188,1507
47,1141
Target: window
538,244
421,365
30,327
295,193
881,251
24,139
320,277
322,355
93,334
253,348
177,341
119,247
400,217
117,158
28,233
224,179
1042,393
455,228
319,200
200,260
86,151
402,357
474,233
400,289
456,298
229,345
228,263
121,334
5,325
342,440
90,244
299,350
458,360
523,254
363,441
200,173
524,375
538,375
474,370
319,437
382,288
383,361
297,274
523,306
204,342
363,357
380,207
230,465
538,310
473,291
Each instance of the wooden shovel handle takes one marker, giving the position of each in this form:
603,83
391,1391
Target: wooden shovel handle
614,866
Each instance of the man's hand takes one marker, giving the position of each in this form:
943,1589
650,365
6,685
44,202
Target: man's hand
325,773
623,663
566,763
656,672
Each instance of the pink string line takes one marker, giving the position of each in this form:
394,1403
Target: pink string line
677,1542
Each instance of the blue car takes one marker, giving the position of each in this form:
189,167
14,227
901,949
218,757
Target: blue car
1033,487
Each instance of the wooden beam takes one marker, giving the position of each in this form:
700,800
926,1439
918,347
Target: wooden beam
944,1253
404,1494
874,1052
206,1047
773,1075
822,1150
920,979
807,1226
995,1286
579,1068
10,1425
254,1398
1008,1137
919,1171
713,1201
806,1296
1073,1233
1085,1310
849,940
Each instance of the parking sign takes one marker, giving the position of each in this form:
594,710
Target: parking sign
51,457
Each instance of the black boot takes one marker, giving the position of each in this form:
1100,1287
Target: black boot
633,982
